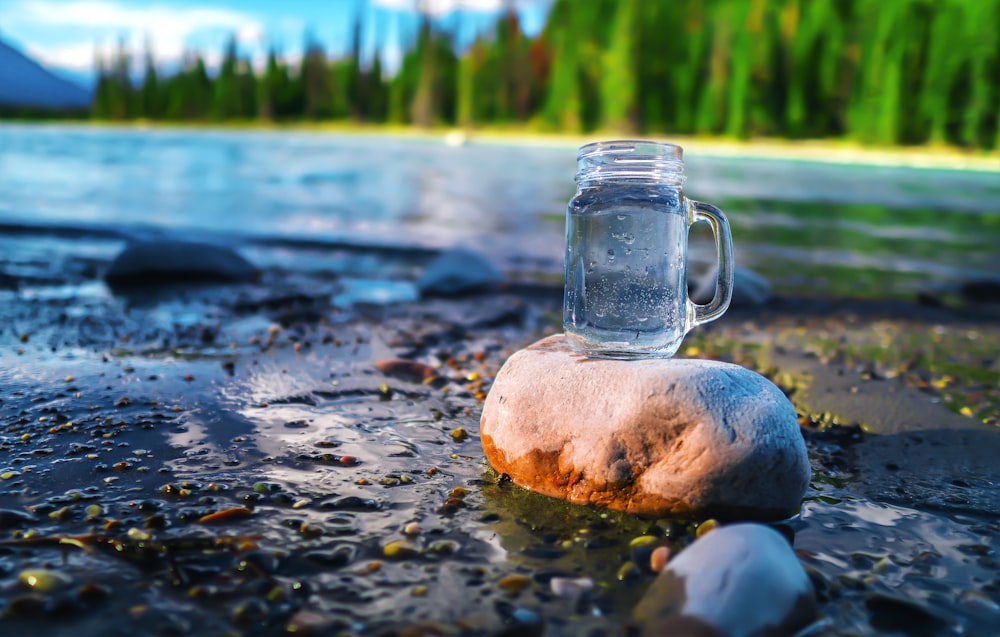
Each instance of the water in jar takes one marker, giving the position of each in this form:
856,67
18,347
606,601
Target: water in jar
625,272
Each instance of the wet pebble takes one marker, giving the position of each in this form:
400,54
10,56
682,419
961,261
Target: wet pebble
413,371
895,614
706,527
571,587
308,622
258,563
978,601
443,548
643,540
514,584
26,606
266,487
250,611
92,593
522,622
400,550
226,515
628,572
336,557
411,529
543,552
13,519
44,580
658,558
351,503
739,580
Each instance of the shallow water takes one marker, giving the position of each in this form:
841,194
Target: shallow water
159,409
806,226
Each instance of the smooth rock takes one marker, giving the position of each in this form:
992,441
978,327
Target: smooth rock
169,261
458,271
742,580
667,437
980,291
749,288
8,282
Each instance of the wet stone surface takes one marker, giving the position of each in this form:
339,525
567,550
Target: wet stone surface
234,460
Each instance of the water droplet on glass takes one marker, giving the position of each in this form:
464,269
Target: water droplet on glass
622,217
611,255
628,238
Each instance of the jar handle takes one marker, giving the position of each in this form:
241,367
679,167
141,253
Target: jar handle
697,313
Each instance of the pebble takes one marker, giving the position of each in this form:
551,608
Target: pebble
225,515
643,540
44,580
706,527
400,550
571,587
308,622
458,271
411,529
628,572
514,583
658,558
741,580
166,261
12,519
406,369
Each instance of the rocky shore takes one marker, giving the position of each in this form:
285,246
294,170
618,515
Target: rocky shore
293,454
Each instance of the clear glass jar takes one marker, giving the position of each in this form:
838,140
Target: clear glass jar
626,252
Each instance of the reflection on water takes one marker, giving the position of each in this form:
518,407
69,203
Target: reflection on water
804,225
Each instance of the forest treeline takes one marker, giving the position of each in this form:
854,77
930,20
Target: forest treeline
876,71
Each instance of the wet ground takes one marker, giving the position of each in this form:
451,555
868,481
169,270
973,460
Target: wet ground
230,460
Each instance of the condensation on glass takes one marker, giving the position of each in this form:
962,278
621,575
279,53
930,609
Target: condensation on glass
626,252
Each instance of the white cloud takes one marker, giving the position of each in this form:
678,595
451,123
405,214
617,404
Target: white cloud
77,56
442,7
103,23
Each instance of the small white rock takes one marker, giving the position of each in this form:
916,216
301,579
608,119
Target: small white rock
742,580
571,588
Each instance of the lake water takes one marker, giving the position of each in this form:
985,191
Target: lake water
805,225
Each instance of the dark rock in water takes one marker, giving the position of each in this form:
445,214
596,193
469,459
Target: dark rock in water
168,261
909,617
980,291
8,282
737,581
458,271
749,288
12,519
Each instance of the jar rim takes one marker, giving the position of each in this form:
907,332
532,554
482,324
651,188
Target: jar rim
630,160
662,150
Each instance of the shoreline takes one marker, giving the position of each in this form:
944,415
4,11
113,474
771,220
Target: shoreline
263,426
829,151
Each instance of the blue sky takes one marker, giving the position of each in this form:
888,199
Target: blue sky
65,34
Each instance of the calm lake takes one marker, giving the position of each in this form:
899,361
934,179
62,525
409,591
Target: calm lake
847,229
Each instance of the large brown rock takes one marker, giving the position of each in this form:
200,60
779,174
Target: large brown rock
652,436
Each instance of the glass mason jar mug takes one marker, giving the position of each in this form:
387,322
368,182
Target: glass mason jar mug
626,252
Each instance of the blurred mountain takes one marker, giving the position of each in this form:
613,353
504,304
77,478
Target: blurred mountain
25,83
